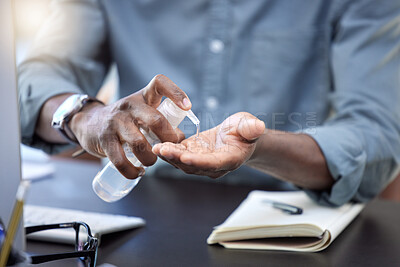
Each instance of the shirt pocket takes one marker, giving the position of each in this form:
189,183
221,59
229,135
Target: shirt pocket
288,71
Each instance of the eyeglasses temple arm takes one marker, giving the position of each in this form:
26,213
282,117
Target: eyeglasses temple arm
37,228
36,259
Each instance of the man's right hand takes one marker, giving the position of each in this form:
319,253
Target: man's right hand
101,130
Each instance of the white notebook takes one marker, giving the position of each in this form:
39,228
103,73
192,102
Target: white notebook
256,224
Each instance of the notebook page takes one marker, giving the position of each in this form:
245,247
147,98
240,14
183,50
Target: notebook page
253,212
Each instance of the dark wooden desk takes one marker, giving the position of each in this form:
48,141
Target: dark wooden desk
180,216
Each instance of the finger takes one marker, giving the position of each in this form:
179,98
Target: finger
156,149
224,160
169,151
193,170
172,152
149,118
130,134
174,161
114,151
250,128
161,86
175,151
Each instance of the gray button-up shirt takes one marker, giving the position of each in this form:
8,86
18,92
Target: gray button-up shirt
327,68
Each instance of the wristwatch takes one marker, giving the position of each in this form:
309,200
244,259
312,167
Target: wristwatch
66,111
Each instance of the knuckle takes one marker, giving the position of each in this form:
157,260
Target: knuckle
102,140
159,78
138,141
105,138
121,165
109,124
178,94
123,104
157,121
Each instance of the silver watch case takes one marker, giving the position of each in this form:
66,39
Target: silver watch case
67,109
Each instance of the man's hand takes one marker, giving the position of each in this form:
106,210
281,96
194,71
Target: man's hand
216,151
101,130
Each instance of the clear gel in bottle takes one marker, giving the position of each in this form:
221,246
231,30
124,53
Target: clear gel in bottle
109,184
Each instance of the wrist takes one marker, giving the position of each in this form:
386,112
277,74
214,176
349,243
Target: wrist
258,149
44,128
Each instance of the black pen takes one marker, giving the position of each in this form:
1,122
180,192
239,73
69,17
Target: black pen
292,210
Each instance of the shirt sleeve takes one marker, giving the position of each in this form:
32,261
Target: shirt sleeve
361,141
69,55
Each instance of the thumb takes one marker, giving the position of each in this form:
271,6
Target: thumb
250,128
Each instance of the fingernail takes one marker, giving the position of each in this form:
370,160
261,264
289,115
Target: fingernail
155,147
142,172
260,125
186,103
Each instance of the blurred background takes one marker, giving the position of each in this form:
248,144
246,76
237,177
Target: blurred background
29,16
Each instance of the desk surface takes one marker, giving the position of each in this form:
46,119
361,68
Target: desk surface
181,214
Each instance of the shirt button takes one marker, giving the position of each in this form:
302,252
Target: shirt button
216,46
212,102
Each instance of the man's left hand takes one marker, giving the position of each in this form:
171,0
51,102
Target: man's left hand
216,151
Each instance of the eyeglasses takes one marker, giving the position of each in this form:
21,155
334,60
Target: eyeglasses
85,244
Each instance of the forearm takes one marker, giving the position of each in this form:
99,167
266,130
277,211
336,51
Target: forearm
43,127
295,158
68,56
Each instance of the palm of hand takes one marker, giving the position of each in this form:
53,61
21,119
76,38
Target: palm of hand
217,151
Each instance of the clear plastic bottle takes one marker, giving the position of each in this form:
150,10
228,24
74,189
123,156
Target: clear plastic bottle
109,184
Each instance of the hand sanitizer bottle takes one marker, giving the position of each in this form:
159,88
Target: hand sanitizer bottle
109,184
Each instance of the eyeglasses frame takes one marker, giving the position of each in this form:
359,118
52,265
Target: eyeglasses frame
89,249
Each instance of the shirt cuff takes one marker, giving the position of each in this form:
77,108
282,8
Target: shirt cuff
346,160
33,93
